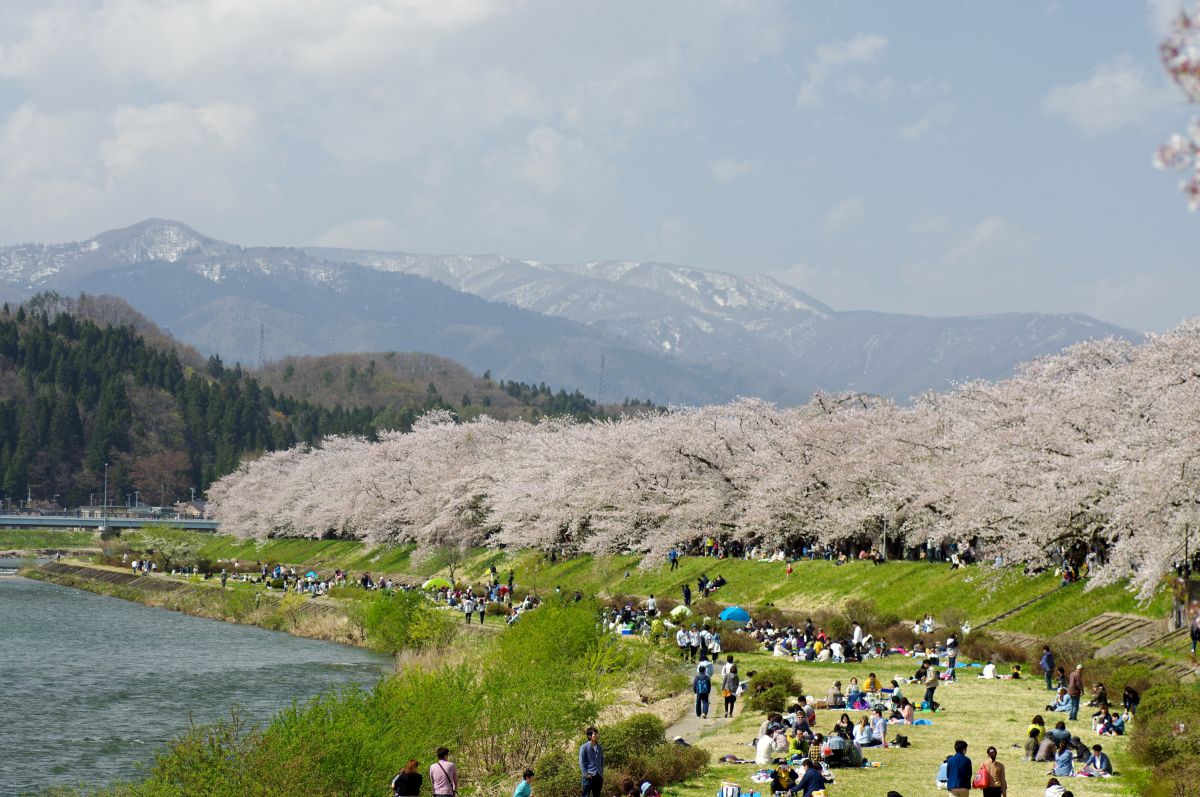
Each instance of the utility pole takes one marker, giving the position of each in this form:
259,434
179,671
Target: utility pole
104,506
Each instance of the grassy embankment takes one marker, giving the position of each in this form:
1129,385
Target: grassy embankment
46,539
906,589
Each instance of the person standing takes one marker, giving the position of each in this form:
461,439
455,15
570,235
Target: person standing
407,782
958,771
651,606
931,685
481,607
995,771
1047,665
525,787
468,607
681,639
687,595
1195,632
693,643
443,775
591,764
951,655
729,687
702,687
1075,690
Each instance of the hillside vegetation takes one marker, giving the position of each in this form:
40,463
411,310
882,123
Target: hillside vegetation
406,384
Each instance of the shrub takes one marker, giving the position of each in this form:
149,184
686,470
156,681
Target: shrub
1167,737
772,689
1116,673
1069,651
630,735
982,646
953,618
733,641
901,634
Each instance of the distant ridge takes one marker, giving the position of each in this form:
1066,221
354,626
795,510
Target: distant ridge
663,332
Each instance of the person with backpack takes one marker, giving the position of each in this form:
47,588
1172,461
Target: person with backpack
990,777
407,782
443,775
702,686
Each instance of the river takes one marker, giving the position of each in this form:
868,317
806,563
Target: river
91,687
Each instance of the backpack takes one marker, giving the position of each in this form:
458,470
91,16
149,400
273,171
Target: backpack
702,686
900,741
983,778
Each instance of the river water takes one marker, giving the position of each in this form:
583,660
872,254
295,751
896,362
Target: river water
91,687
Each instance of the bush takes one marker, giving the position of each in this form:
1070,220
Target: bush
738,642
953,618
1166,736
1117,673
1068,651
634,748
773,688
901,634
402,620
982,646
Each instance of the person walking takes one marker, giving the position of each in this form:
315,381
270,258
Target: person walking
1075,690
468,607
673,556
481,607
525,787
591,765
1195,632
443,775
997,784
407,782
729,687
682,641
702,687
687,595
1047,665
958,771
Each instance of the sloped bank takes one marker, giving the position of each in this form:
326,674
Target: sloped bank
292,613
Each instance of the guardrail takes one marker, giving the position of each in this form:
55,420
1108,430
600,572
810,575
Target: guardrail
72,522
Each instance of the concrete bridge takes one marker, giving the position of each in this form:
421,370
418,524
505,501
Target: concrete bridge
74,522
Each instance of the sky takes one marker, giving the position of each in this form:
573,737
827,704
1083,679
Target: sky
952,158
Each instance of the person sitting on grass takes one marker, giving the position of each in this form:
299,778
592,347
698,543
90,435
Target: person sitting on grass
1038,724
1015,674
1099,696
1062,702
1064,761
908,712
1059,733
1098,763
1046,749
863,735
989,671
812,780
879,725
872,685
1032,743
784,779
844,723
835,697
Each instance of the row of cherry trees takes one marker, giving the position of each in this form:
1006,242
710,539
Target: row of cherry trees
1099,443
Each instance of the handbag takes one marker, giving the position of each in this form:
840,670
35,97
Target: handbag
726,693
983,778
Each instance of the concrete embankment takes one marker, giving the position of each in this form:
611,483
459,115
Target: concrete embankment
295,614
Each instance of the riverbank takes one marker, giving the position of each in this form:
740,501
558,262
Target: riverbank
295,614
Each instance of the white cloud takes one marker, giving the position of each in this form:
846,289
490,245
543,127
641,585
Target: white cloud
533,93
830,58
727,170
935,118
845,214
368,233
1118,94
667,238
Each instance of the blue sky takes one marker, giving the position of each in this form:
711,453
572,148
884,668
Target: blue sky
960,158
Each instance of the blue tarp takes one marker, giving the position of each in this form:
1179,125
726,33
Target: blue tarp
736,614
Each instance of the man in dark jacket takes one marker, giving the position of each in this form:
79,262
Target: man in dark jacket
1047,665
1075,690
958,771
811,781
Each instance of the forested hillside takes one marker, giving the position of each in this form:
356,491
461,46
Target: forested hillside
400,379
89,381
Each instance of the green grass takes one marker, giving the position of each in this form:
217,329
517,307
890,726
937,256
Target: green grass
980,712
1074,605
906,589
30,539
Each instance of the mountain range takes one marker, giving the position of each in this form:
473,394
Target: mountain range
610,329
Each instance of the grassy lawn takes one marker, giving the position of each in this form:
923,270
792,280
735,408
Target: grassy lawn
1073,605
980,712
30,539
